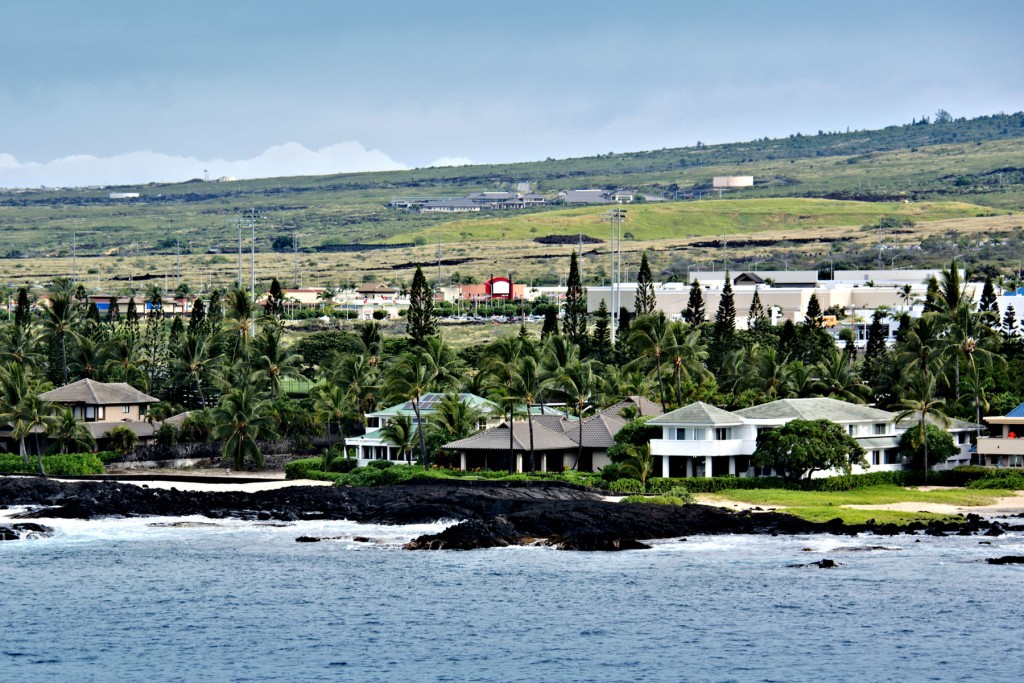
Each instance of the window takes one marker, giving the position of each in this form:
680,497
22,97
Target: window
881,428
90,413
961,438
77,412
680,433
723,433
874,458
851,430
126,409
891,457
101,413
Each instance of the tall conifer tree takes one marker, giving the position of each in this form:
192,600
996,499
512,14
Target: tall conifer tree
574,324
695,313
755,317
602,341
420,322
646,301
725,325
22,309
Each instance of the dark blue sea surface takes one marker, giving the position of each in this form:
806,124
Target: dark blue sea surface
123,600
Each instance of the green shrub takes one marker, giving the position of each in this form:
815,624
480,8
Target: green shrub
626,486
309,468
1000,479
654,500
611,472
680,493
380,464
70,465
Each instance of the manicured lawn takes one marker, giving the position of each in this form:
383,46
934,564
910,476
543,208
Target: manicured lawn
876,495
851,516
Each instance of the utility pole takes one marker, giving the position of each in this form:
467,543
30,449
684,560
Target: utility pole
238,220
295,251
252,225
74,258
177,263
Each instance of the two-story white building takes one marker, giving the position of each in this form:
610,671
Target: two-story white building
700,440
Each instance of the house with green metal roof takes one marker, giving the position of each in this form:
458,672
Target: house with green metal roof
702,440
372,446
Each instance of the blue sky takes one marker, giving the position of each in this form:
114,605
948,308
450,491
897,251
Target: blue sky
112,91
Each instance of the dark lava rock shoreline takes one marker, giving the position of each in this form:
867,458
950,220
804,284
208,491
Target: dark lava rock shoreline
491,513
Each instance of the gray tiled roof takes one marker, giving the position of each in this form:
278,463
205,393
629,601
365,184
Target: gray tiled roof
141,428
496,439
698,413
556,423
815,409
952,424
646,406
598,431
93,393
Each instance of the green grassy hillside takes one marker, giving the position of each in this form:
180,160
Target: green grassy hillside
978,161
672,220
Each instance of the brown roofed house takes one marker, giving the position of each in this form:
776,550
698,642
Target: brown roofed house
103,406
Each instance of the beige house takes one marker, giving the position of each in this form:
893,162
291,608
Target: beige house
103,406
1005,447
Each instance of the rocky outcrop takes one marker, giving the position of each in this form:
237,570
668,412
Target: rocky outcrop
1006,559
488,514
24,531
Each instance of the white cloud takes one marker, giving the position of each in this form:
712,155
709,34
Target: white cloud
289,159
450,161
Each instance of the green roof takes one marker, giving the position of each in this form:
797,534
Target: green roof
428,404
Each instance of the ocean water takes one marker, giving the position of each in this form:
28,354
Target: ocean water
138,600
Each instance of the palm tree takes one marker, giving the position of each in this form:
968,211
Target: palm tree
20,344
70,434
240,314
837,378
360,377
122,364
400,432
86,358
240,419
649,334
773,376
192,364
31,416
413,375
687,353
333,404
60,316
639,463
455,418
920,401
273,363
577,383
15,386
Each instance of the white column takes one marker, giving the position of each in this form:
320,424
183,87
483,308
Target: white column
732,465
664,466
462,461
544,462
519,462
689,467
707,466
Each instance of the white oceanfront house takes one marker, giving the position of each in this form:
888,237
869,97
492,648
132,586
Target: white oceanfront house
700,440
372,446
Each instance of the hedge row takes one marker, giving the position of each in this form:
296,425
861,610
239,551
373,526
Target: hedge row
387,473
70,465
